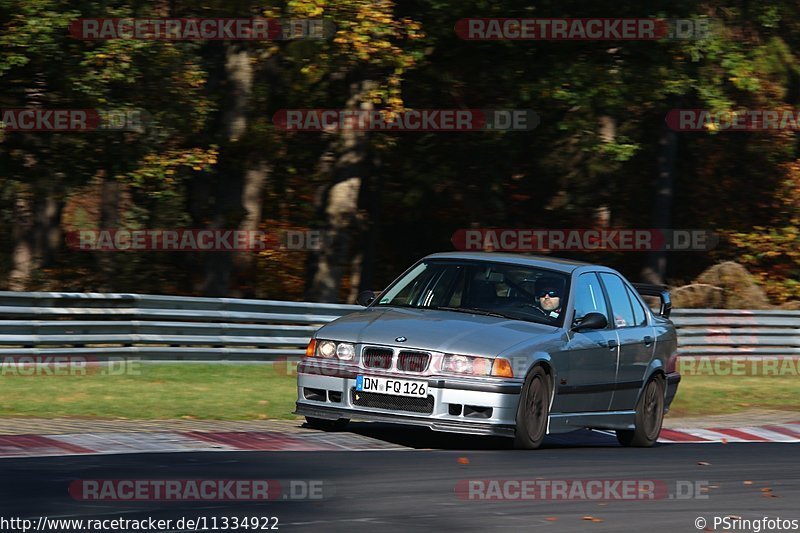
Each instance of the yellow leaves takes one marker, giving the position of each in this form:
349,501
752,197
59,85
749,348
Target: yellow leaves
167,166
394,102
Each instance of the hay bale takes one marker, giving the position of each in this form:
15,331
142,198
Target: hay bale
739,286
698,296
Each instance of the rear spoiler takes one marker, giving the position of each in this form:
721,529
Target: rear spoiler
661,291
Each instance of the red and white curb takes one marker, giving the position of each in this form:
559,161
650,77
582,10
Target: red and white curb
231,441
188,441
771,433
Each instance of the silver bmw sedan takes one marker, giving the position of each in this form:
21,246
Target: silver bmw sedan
498,344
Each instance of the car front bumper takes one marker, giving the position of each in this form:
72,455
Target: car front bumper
480,407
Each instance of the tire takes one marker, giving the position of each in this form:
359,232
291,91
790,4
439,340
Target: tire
327,425
533,411
649,417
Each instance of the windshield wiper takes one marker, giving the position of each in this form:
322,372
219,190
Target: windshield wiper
471,310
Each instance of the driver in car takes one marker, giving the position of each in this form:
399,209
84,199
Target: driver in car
548,296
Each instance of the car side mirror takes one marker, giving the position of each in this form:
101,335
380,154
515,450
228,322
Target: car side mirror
365,298
591,321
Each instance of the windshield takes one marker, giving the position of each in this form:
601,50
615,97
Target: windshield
512,291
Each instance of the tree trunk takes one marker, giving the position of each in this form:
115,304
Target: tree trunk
339,204
37,231
656,269
244,263
109,220
224,207
364,263
23,256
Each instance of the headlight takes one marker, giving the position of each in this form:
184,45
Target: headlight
330,350
477,366
464,364
345,351
327,349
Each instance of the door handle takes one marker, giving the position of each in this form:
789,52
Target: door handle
613,344
648,340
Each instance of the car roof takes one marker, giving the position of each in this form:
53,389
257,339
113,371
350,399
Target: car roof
539,261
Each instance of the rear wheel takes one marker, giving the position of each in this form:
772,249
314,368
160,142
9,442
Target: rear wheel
649,417
533,410
327,425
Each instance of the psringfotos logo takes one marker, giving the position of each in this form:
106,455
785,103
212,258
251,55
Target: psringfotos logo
756,525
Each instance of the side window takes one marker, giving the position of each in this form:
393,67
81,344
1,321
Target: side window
639,314
620,303
589,296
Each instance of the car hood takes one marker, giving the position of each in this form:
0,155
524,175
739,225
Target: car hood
433,330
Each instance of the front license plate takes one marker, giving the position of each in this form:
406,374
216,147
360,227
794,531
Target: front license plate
395,387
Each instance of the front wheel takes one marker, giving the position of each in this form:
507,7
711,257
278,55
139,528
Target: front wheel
533,411
649,417
327,425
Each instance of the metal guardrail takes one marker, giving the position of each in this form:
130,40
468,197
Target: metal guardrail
152,327
178,328
729,332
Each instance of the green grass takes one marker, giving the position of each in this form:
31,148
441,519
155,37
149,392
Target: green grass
716,395
155,391
253,392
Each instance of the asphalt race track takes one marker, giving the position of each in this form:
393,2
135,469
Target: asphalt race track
414,489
